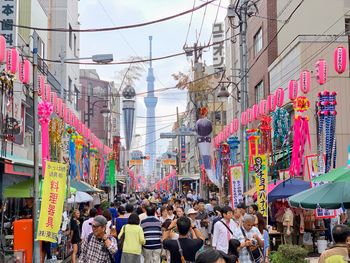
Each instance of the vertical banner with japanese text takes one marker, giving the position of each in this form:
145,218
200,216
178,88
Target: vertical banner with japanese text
236,184
53,193
261,170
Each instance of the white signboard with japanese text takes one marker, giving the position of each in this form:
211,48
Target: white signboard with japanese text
236,184
9,17
218,46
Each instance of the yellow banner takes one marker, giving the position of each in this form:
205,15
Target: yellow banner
53,193
260,168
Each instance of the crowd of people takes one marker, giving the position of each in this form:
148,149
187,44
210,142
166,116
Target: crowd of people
162,227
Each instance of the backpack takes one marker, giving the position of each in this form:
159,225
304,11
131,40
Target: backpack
111,257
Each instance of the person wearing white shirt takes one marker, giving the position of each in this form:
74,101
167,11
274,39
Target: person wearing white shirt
224,230
250,237
87,227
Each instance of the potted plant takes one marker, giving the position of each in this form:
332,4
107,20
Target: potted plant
289,254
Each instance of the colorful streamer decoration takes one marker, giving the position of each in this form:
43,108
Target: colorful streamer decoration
265,129
326,129
233,142
301,137
281,126
44,111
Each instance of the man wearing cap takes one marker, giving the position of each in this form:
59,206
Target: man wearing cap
98,247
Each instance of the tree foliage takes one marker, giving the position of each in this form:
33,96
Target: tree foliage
289,254
129,75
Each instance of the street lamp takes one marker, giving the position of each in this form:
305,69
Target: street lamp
223,94
98,58
105,113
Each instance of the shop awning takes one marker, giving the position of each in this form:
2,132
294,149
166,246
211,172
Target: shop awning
341,174
85,187
23,189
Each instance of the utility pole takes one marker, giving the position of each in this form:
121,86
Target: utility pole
36,252
243,74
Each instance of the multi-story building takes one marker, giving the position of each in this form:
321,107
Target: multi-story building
64,46
95,95
283,38
307,37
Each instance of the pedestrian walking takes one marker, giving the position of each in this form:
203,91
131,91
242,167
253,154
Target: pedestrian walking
224,230
153,233
183,248
120,221
98,246
211,255
251,241
134,239
87,228
75,234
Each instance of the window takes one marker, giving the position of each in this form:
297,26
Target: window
259,92
28,115
70,93
75,45
70,36
76,97
258,44
347,26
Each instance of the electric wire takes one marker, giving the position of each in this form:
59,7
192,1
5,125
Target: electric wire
189,25
6,23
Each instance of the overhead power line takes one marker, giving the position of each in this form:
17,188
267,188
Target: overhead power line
137,61
91,30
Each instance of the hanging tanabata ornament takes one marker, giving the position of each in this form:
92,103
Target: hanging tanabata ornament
326,130
301,125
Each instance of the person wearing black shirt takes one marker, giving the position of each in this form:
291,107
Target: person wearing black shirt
184,246
75,234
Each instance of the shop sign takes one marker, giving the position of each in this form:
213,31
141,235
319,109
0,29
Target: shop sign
8,17
236,184
218,46
183,148
54,190
260,169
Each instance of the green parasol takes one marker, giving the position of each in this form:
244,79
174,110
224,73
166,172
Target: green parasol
341,174
329,196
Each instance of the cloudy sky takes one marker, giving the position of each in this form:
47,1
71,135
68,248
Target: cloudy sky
168,38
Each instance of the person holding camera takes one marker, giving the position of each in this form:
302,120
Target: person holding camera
251,241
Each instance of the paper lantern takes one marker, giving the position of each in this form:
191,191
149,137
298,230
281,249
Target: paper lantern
244,118
69,116
64,112
11,60
293,90
232,130
41,85
255,111
250,115
59,107
24,71
321,71
340,59
235,124
271,103
47,93
279,97
2,48
263,111
54,101
305,81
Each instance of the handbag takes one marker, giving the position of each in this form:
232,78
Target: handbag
255,252
120,241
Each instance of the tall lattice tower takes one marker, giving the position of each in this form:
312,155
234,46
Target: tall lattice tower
150,102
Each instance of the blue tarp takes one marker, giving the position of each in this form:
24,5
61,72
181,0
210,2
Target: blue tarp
288,188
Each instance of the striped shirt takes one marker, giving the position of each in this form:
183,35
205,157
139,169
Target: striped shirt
153,232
